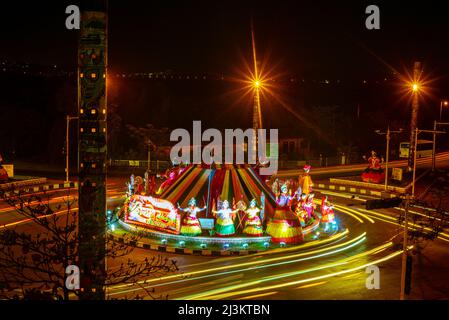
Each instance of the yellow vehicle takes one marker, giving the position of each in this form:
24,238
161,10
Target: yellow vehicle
423,149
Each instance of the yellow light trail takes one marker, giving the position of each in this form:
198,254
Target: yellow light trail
304,246
31,219
331,249
344,209
352,215
227,295
211,294
53,200
413,225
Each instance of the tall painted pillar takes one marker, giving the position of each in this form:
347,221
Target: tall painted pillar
92,149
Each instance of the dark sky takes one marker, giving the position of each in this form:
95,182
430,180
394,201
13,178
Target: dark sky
300,37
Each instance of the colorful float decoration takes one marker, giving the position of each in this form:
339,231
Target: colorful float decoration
235,202
154,213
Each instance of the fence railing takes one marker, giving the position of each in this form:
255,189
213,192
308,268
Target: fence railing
156,165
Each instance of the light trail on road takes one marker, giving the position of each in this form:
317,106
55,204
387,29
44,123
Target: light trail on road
322,252
219,293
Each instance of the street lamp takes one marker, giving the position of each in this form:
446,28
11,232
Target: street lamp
67,137
416,89
443,103
387,153
417,132
435,125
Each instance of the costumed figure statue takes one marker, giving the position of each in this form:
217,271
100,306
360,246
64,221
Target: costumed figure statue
138,185
284,199
225,220
284,226
253,225
130,186
374,172
305,180
327,213
171,176
190,224
309,205
3,174
300,210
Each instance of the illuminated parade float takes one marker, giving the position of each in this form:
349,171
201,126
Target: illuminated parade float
222,206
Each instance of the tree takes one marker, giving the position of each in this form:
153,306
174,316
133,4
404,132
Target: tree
33,262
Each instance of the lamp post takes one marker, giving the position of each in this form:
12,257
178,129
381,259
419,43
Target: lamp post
444,103
415,87
404,249
417,132
149,156
67,144
387,153
435,125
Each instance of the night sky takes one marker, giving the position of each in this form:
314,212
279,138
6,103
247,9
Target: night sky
311,40
316,37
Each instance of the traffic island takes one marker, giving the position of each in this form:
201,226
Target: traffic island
145,238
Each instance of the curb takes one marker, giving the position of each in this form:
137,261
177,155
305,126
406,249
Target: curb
177,250
23,183
352,189
46,187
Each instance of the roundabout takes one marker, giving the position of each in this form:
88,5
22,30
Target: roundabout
276,219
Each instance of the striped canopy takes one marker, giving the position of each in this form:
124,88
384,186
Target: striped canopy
226,182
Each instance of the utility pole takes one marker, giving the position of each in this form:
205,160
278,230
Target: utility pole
435,125
257,112
444,103
92,149
149,156
404,249
67,146
417,132
415,107
387,152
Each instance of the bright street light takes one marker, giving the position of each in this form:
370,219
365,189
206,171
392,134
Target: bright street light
257,84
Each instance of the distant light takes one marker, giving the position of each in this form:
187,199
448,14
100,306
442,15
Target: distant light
93,75
266,244
415,87
164,241
203,245
445,103
182,243
282,244
257,84
245,245
226,246
112,227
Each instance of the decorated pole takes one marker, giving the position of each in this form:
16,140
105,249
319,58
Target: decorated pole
92,149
